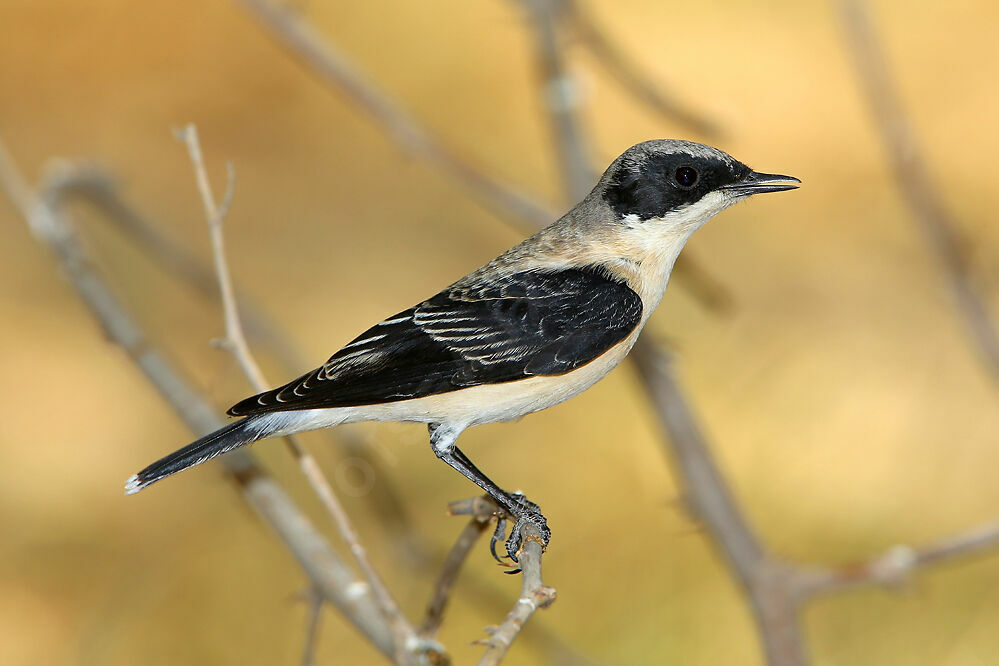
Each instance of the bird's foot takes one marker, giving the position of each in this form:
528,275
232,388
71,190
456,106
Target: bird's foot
525,512
498,535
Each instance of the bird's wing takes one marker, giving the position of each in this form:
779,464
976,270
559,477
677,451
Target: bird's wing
527,323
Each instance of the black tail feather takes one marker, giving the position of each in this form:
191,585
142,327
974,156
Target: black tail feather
222,440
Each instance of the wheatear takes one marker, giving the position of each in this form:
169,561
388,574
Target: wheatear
536,326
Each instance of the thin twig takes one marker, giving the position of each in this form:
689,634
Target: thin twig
318,560
93,186
235,343
534,594
453,563
630,77
918,189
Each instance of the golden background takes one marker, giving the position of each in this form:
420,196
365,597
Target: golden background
843,400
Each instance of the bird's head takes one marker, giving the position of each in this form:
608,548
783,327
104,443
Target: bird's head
680,184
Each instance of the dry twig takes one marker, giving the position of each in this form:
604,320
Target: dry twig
482,510
235,343
534,594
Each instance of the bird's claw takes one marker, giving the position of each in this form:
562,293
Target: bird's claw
498,535
527,513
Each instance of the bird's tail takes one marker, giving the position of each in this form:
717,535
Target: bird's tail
219,442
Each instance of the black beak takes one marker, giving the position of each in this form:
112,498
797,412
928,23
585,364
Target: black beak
757,183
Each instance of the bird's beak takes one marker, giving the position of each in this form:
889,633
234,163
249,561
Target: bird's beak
756,183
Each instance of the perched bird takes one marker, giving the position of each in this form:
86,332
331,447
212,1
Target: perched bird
536,326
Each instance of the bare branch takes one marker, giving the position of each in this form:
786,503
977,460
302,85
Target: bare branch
900,563
318,560
561,98
918,189
234,340
235,343
771,595
319,54
534,594
637,83
454,561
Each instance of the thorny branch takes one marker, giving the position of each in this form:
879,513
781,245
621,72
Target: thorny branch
328,573
235,342
918,189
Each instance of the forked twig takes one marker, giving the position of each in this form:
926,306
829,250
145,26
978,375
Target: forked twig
235,343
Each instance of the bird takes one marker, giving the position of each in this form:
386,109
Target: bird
535,326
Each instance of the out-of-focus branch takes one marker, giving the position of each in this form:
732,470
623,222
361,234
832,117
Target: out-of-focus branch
561,98
235,343
534,594
482,510
319,54
638,84
330,575
917,187
896,566
772,597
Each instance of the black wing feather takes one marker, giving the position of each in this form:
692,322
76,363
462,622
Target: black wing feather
528,323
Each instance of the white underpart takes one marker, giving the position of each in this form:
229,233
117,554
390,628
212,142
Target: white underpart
657,242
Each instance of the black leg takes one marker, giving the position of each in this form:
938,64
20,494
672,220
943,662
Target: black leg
515,505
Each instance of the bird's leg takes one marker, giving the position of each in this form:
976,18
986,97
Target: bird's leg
516,505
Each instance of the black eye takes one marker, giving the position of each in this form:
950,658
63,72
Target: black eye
686,176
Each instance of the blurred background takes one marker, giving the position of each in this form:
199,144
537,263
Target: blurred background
844,402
